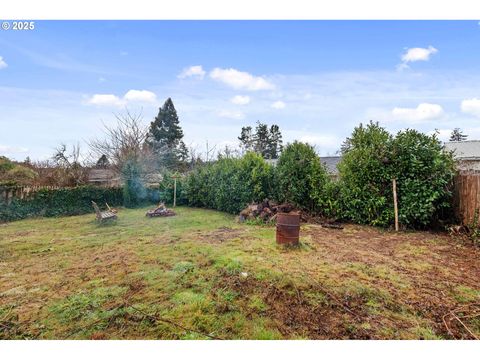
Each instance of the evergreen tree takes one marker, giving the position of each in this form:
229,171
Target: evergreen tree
182,152
458,135
165,136
261,139
275,142
266,142
246,138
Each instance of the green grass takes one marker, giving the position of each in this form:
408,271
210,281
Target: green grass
201,275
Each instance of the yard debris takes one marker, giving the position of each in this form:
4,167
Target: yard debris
160,210
265,211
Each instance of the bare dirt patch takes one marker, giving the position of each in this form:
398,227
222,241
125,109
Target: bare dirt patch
434,268
220,235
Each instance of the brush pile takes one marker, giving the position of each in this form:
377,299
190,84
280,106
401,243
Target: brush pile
265,211
160,210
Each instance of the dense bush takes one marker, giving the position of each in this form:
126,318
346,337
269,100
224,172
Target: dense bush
424,173
229,184
372,158
165,190
12,174
301,178
57,202
366,177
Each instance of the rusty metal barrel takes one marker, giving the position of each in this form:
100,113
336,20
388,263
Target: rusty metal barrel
288,228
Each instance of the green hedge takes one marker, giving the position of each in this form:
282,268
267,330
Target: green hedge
301,178
57,202
423,170
229,184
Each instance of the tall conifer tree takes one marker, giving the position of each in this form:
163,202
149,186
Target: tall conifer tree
165,136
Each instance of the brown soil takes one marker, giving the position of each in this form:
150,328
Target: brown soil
431,265
220,235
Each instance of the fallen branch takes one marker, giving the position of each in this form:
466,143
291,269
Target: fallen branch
446,326
465,326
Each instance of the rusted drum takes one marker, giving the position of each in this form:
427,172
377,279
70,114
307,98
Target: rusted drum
288,228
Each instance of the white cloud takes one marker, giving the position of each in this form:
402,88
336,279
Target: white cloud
471,106
101,79
105,100
402,66
192,71
278,105
3,64
442,134
236,115
422,112
12,149
140,96
418,54
321,140
240,80
240,100
130,96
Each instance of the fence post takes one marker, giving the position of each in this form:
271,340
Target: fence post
395,205
175,176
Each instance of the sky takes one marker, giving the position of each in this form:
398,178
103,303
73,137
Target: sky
63,80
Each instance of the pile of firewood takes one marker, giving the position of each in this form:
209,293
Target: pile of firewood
160,210
265,211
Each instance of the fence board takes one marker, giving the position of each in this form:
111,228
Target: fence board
467,197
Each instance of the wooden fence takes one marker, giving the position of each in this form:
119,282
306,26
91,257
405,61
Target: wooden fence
8,193
467,197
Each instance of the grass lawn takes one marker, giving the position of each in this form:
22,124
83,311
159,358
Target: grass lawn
201,275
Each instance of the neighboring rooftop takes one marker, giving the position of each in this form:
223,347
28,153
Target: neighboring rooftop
100,176
464,150
331,163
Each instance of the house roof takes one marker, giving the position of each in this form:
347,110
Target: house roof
331,163
100,175
464,150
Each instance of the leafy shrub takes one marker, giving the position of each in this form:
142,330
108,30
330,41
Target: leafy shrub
372,158
166,188
366,190
330,202
300,177
12,174
57,202
229,184
424,173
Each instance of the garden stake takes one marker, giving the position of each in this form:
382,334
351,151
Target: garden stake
395,206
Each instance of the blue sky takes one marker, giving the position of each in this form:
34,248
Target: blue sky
316,79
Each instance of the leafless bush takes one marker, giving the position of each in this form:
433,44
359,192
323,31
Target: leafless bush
68,167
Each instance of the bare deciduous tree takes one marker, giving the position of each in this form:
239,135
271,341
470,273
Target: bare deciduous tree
125,141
